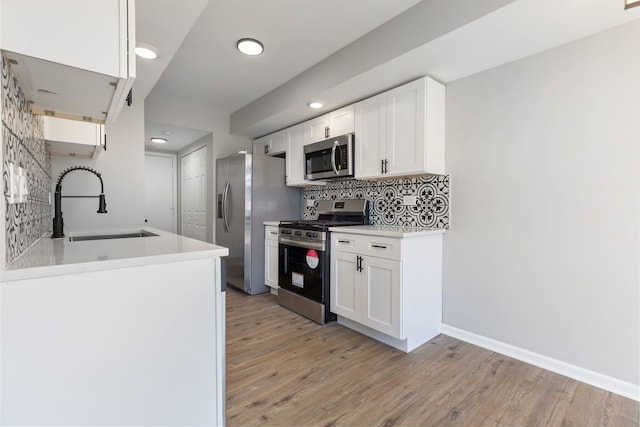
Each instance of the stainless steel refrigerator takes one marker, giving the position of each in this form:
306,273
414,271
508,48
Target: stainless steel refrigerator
250,190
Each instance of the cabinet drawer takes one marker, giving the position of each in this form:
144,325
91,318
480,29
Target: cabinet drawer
382,247
271,232
343,242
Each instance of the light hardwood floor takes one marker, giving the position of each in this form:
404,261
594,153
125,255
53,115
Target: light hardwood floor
284,370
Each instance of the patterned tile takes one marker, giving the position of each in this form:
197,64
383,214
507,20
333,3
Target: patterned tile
385,199
23,144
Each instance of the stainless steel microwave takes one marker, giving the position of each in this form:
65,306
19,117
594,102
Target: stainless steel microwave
331,158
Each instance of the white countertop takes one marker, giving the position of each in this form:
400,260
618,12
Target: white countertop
53,257
274,223
388,230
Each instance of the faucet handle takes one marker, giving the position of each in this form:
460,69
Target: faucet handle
102,204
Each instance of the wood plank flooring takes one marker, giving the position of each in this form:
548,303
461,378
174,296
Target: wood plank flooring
284,370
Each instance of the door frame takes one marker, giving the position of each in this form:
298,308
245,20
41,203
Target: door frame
174,181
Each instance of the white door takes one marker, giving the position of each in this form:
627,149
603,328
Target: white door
193,194
160,191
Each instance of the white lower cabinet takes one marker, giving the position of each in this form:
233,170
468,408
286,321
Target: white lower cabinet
271,256
388,288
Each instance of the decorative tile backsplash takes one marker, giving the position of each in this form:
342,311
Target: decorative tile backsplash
386,197
23,145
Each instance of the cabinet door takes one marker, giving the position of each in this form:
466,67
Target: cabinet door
90,35
381,293
346,288
261,146
295,158
277,144
315,129
341,121
73,137
371,135
271,262
406,137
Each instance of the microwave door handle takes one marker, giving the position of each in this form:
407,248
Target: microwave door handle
333,156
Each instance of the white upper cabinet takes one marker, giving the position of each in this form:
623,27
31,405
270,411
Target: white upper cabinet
73,137
401,132
73,58
335,123
295,162
272,145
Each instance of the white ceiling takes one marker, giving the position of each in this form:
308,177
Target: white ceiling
328,50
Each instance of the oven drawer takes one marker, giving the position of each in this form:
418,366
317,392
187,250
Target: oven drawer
378,246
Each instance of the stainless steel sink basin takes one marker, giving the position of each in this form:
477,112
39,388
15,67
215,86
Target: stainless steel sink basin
141,233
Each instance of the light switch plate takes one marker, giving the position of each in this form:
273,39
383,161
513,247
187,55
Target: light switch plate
409,200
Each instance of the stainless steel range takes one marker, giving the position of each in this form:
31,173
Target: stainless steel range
304,257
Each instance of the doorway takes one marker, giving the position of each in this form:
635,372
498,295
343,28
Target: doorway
160,191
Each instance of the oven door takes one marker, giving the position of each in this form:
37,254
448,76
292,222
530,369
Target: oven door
303,270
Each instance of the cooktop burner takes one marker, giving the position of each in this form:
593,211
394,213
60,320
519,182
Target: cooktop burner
316,224
332,213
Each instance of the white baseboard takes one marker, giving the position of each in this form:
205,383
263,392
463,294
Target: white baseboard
595,379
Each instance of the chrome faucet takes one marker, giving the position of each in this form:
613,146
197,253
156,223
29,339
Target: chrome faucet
58,223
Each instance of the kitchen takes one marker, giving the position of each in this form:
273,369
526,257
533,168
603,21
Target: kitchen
541,253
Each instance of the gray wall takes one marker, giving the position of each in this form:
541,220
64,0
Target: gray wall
220,142
543,251
122,169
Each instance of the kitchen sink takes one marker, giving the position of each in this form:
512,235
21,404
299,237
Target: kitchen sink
141,233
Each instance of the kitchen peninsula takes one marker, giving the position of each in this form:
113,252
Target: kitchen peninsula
118,331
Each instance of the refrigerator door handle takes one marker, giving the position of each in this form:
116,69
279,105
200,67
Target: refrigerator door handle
220,201
225,206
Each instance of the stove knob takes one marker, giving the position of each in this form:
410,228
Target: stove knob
314,235
298,233
309,234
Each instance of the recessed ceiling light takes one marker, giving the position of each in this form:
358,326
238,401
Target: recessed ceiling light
159,140
316,104
146,51
250,47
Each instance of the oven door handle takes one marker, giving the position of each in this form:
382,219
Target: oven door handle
333,156
285,261
319,246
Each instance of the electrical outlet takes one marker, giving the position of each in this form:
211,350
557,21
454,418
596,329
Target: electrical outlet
409,200
18,189
311,203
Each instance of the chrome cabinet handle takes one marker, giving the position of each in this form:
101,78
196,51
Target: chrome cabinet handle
379,246
344,241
